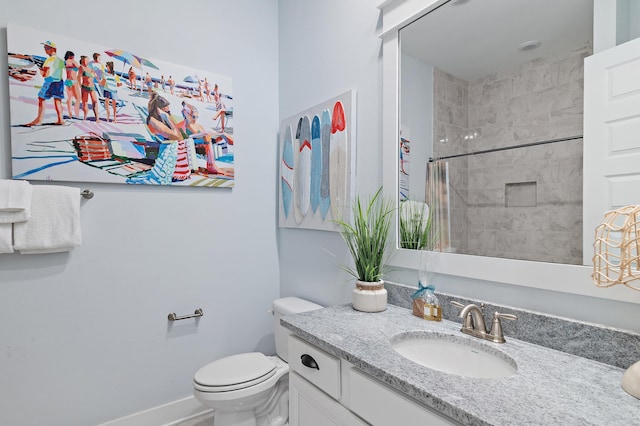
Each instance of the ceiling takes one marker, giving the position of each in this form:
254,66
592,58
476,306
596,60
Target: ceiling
473,38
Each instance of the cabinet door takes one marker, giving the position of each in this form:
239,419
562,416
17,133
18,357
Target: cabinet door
309,406
382,406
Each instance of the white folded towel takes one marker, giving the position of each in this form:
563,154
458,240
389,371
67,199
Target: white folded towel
6,238
15,200
55,221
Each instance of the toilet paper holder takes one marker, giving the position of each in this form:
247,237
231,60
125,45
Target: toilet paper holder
173,317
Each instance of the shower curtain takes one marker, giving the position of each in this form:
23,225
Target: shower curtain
437,197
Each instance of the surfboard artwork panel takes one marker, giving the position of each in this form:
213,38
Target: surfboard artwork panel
338,161
322,139
61,140
303,168
286,171
316,163
325,135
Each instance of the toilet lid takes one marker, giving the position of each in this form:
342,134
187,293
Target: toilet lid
236,371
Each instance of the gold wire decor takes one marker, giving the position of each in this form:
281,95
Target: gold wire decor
616,258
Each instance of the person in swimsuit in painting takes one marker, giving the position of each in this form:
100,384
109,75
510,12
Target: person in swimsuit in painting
197,131
207,90
172,84
149,83
87,88
53,87
162,124
98,71
111,83
72,84
97,67
221,112
132,79
200,93
160,121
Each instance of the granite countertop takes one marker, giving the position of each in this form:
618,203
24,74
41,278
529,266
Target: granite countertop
549,388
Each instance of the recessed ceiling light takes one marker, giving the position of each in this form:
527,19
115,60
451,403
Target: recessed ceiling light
529,45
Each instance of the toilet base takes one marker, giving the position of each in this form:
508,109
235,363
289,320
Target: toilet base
265,404
238,421
239,418
272,412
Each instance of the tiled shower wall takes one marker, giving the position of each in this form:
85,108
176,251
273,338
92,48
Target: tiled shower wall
521,203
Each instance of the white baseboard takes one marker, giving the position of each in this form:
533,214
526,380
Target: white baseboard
163,415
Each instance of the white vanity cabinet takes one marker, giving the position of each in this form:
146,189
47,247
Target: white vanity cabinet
325,390
309,406
315,388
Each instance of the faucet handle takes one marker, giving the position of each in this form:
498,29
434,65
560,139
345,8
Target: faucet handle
458,304
505,316
496,335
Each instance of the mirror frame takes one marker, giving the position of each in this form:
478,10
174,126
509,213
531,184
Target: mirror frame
573,279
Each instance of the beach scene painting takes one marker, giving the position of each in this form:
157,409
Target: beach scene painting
83,112
317,165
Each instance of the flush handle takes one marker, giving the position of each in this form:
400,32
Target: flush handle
308,361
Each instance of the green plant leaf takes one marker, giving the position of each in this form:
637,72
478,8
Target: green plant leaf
367,235
415,226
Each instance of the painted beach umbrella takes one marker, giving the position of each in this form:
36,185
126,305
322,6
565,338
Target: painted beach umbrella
131,59
192,79
125,57
146,63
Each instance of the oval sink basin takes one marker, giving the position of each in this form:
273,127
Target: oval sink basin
454,355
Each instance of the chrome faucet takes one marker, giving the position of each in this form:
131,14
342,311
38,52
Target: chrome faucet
473,322
472,319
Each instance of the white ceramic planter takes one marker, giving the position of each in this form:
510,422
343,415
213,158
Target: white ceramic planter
369,297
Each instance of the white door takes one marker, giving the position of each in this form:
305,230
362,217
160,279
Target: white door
611,135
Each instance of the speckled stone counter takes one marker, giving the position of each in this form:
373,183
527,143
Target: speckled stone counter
549,388
620,348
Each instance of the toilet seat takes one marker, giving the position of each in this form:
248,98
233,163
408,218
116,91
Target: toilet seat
234,372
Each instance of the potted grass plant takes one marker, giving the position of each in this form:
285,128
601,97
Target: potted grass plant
366,237
415,226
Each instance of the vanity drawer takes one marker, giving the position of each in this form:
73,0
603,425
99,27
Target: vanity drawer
380,405
315,365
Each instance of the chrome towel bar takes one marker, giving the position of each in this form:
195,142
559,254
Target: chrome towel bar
173,317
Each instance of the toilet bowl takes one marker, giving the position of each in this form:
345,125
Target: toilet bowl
251,389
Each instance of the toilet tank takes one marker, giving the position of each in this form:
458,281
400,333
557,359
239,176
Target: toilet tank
286,306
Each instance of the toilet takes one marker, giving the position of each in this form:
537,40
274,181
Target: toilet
252,389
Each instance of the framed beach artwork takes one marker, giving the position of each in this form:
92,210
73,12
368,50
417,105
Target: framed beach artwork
84,112
317,165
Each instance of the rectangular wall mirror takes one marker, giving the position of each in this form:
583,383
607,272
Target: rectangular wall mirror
490,123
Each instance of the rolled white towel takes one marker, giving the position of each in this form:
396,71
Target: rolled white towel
55,221
15,200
